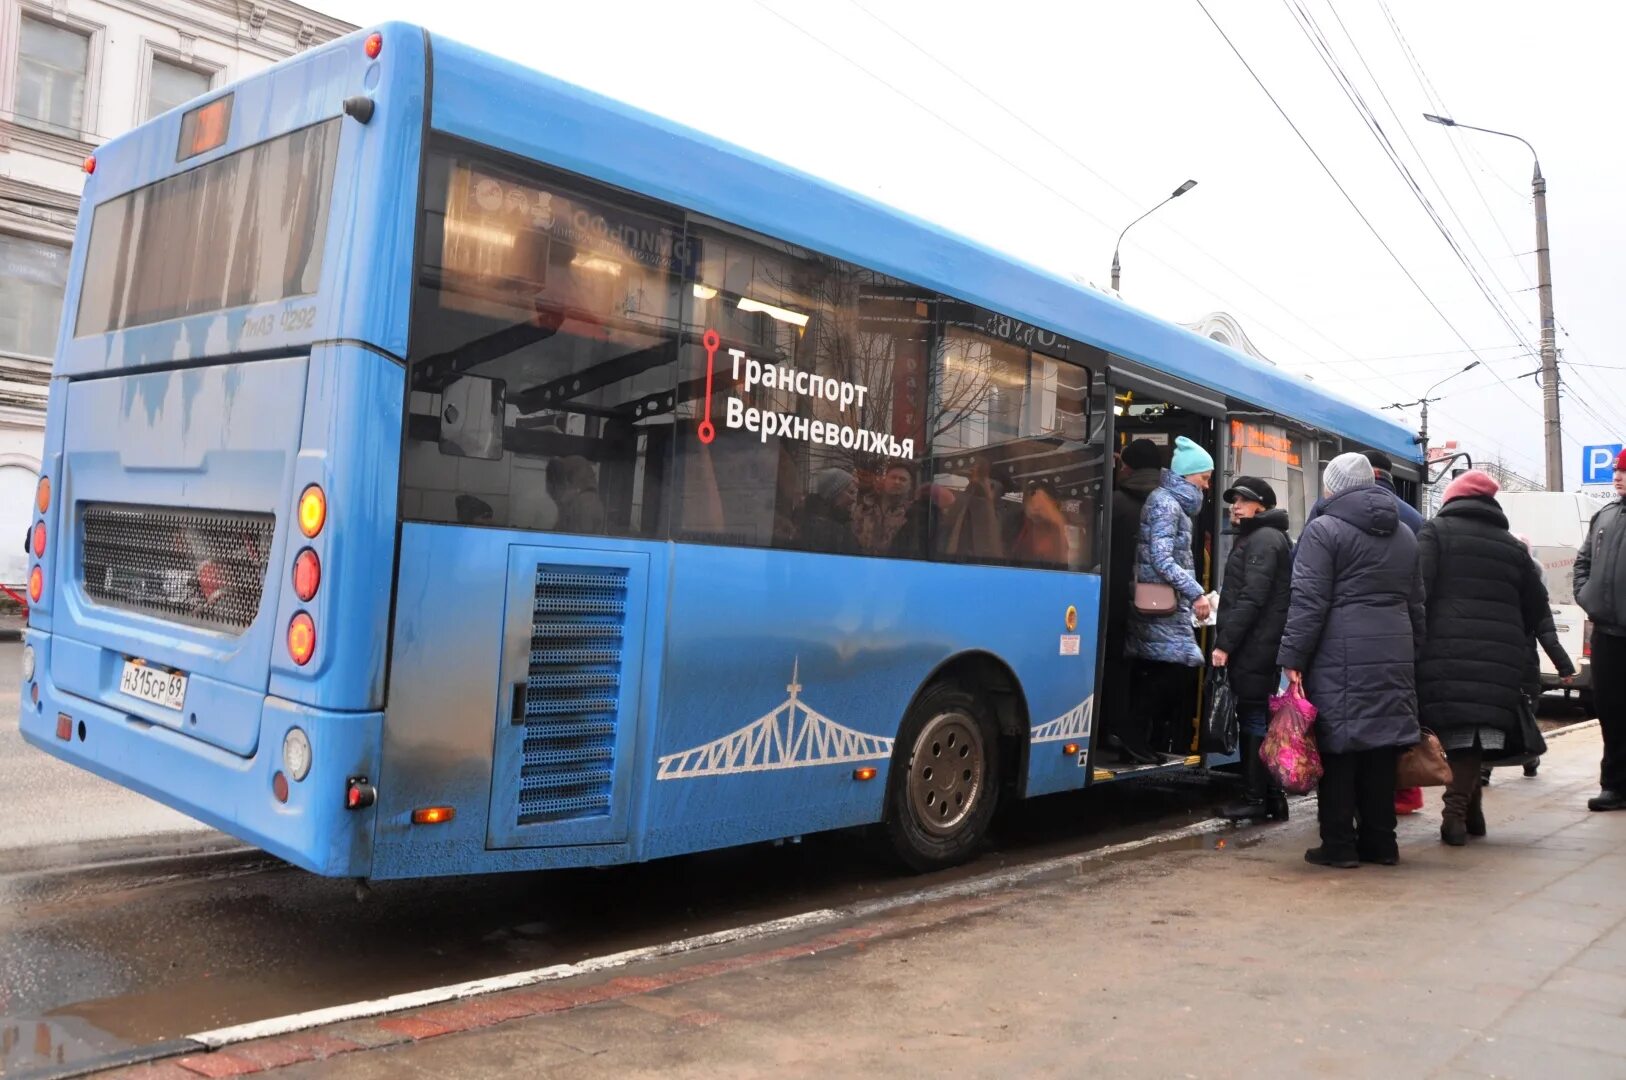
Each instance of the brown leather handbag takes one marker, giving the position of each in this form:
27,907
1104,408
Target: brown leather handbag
1423,765
1155,598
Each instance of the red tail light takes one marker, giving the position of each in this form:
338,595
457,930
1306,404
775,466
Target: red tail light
307,575
90,164
302,639
36,585
39,540
374,46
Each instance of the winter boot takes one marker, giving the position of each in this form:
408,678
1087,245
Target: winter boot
1254,805
1474,820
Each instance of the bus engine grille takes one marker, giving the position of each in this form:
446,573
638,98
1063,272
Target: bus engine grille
572,700
201,567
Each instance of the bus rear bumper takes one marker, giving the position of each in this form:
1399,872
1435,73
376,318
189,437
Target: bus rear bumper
234,794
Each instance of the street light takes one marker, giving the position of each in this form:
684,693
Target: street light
1179,191
1544,288
1422,434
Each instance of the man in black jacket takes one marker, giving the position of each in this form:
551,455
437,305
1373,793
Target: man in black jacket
1600,590
1252,615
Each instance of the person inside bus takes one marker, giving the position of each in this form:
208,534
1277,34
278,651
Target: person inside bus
1252,616
1354,628
1042,540
1164,647
573,486
971,527
880,512
1140,467
827,513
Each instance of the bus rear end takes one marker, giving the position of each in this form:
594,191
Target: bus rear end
212,549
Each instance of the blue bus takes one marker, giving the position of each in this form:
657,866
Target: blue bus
449,470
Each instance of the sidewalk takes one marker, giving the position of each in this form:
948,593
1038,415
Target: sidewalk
1223,956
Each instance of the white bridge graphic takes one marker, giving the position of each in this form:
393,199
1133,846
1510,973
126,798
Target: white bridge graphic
1075,725
792,736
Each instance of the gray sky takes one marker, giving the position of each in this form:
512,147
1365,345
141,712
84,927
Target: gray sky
1043,128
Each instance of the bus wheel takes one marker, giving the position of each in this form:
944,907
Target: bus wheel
944,780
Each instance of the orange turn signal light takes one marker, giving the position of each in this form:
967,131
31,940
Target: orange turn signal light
866,773
302,639
39,540
42,495
36,585
90,164
433,815
312,510
1069,749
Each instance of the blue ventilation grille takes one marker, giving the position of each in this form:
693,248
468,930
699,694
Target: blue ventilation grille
572,693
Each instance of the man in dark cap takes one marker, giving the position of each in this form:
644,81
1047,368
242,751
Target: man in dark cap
1383,469
1252,615
1140,469
1600,590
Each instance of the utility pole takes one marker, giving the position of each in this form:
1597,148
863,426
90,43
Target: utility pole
1425,401
1549,342
1179,191
1553,432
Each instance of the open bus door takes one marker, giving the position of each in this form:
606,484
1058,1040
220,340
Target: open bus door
1158,407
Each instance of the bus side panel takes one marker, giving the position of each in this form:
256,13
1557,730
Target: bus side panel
786,672
448,696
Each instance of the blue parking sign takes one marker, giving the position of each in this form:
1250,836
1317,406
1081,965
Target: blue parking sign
1598,463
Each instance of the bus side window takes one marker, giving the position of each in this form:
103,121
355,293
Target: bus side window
1017,453
543,354
816,374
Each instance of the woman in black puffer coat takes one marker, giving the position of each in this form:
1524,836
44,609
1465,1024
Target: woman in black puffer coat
1485,602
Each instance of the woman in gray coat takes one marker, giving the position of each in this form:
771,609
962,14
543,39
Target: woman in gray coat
1354,624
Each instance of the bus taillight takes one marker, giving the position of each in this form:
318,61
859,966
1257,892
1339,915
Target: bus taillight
302,639
42,495
374,46
307,575
39,540
312,511
36,585
90,164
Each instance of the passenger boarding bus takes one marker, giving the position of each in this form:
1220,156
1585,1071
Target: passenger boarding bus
449,470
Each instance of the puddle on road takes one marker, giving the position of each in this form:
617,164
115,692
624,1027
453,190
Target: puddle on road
117,959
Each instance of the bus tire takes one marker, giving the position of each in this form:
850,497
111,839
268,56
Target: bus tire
943,785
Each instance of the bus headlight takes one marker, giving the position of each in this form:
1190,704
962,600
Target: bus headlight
296,754
28,663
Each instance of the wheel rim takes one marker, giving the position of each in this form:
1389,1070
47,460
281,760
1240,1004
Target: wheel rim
946,772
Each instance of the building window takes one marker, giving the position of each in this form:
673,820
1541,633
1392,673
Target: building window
33,276
174,84
52,67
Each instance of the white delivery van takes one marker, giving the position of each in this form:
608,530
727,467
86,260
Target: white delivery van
1556,524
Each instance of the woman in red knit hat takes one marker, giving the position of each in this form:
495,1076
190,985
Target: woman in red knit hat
1484,600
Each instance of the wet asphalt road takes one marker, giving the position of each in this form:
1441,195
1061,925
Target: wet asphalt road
98,959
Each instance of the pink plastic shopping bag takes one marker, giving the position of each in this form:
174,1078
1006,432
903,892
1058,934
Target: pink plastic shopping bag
1289,749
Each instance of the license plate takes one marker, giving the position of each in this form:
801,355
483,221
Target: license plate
166,688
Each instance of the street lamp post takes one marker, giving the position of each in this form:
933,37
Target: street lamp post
1544,288
1179,191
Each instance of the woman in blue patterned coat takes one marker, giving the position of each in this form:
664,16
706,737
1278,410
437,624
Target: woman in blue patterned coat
1164,647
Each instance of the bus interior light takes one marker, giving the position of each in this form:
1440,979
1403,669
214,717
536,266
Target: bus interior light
785,315
433,815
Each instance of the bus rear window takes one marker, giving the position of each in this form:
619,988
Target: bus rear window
244,229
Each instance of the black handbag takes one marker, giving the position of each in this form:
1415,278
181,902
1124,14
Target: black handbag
1220,725
1529,744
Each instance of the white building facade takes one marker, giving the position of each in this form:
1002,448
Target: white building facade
74,73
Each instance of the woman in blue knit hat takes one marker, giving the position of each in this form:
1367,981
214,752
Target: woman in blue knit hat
1165,646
